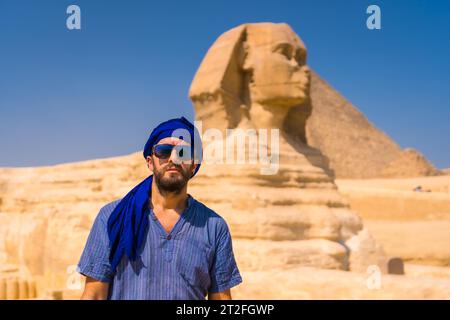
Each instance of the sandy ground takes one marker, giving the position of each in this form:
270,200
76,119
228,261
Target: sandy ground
311,283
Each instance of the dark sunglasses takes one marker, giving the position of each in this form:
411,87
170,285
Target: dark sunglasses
163,151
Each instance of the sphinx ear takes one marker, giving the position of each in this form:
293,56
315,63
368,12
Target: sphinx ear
216,89
244,57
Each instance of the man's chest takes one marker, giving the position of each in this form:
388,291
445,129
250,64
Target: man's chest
167,221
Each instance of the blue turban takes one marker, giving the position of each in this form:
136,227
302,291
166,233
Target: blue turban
127,224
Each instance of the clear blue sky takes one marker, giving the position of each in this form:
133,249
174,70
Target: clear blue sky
97,92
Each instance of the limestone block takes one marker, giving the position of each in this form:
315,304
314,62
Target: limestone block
263,255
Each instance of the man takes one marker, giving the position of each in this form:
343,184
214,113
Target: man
158,242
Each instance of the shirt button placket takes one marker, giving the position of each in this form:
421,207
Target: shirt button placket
168,248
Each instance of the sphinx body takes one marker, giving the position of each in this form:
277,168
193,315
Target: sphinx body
252,77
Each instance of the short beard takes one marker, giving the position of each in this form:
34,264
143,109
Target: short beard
170,185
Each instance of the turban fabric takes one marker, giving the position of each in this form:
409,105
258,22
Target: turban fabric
127,224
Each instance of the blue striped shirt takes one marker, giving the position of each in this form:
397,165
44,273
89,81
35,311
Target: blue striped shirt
195,258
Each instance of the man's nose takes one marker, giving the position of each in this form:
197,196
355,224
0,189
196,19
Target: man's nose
174,158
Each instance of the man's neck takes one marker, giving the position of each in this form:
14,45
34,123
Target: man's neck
169,200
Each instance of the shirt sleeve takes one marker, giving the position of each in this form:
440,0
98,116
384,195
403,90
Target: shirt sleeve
94,261
224,273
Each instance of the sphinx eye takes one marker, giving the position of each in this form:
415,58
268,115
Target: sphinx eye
284,49
300,56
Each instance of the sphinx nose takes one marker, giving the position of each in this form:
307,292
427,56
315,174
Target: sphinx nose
294,63
306,69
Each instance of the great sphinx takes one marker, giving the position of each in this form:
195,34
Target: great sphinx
256,76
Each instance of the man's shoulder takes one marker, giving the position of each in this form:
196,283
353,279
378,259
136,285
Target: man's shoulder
211,216
108,208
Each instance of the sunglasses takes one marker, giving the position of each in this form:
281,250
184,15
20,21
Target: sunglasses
164,151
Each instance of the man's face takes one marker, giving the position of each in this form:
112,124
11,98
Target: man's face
171,174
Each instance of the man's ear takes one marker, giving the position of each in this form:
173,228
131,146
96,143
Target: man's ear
194,167
149,162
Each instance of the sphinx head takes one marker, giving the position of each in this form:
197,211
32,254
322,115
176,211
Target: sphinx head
256,71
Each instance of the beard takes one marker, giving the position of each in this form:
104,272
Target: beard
172,183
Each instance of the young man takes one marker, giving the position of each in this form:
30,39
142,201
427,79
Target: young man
158,242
